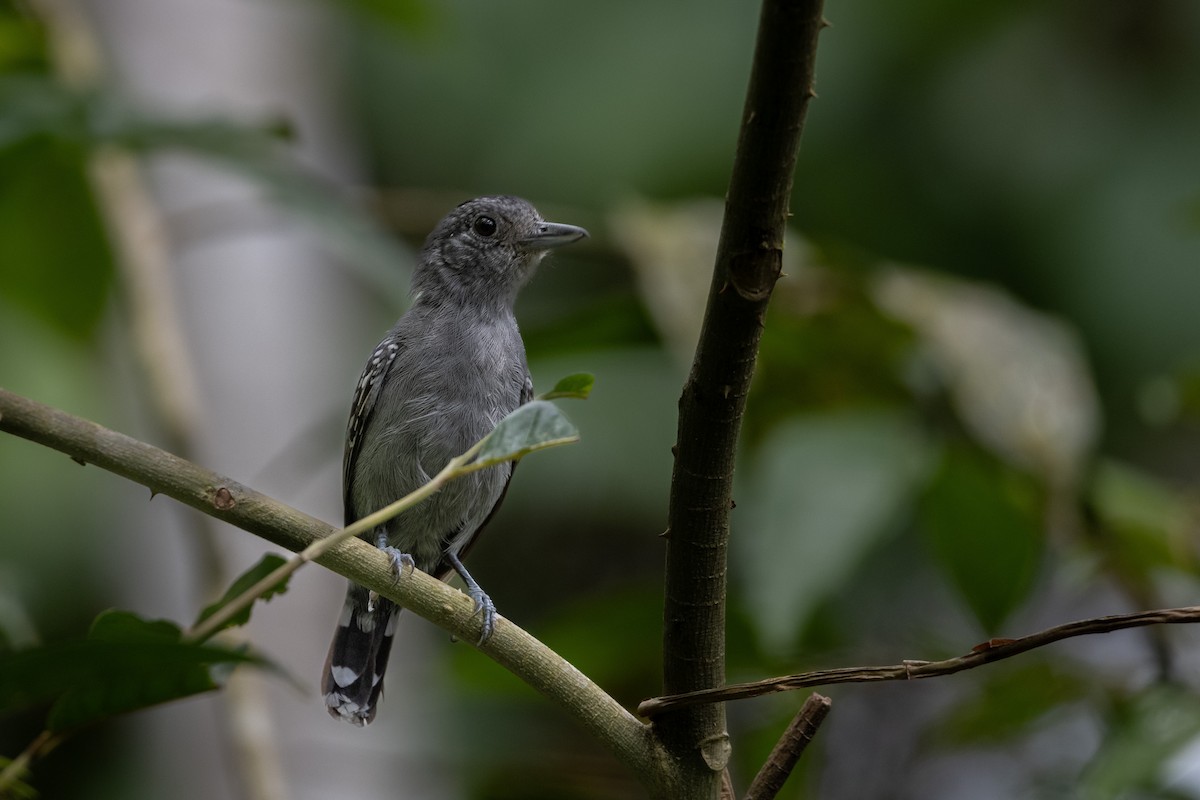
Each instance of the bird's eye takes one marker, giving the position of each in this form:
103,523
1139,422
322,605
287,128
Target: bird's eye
485,226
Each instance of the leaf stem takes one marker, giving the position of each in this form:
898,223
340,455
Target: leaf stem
43,743
215,622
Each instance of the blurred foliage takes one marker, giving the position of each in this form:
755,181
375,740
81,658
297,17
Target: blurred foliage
125,664
1008,702
63,280
982,523
977,406
244,582
849,475
1144,732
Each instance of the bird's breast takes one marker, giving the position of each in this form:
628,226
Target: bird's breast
469,377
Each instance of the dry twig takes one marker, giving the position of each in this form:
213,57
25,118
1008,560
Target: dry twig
980,654
789,748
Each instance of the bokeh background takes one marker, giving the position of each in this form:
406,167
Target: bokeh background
976,411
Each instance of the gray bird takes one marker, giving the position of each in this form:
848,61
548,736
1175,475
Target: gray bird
450,369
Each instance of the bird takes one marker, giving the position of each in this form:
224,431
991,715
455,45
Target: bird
440,380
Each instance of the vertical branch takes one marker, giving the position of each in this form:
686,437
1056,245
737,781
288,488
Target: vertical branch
711,406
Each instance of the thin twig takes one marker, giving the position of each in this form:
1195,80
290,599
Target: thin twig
985,653
43,743
789,748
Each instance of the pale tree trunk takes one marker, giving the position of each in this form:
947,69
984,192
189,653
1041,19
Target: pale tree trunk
275,334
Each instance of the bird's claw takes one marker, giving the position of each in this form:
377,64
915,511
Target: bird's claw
486,609
400,561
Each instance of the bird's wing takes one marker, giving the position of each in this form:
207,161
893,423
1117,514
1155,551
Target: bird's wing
443,569
526,390
365,395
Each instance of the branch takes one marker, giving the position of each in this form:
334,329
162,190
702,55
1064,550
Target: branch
789,748
534,426
985,653
219,497
315,550
710,409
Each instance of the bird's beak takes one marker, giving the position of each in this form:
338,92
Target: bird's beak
553,234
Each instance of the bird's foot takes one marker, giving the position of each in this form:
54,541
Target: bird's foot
400,561
486,609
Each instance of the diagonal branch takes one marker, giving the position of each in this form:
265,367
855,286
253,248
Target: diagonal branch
219,497
313,552
710,408
985,653
787,751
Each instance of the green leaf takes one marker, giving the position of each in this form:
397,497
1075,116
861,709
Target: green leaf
577,386
259,571
124,664
410,17
823,489
22,42
982,522
1147,524
61,279
115,625
533,426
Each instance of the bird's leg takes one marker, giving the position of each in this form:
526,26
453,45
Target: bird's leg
483,604
399,562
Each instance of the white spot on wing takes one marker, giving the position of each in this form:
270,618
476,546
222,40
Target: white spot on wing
343,676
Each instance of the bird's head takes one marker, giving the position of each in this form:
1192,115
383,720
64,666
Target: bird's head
485,250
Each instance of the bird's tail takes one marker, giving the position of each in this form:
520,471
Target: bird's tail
358,656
